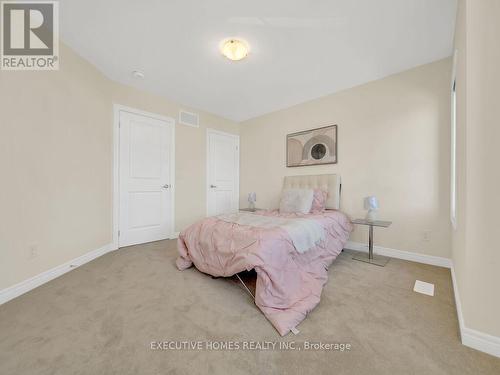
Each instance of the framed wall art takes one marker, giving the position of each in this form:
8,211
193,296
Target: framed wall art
312,147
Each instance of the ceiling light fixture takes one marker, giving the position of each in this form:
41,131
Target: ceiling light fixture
234,49
138,74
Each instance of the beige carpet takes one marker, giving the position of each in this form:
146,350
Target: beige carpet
102,317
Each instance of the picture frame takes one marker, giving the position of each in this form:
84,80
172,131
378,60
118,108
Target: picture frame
316,146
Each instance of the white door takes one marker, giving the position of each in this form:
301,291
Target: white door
146,166
223,164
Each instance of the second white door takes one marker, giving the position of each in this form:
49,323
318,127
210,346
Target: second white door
146,191
223,164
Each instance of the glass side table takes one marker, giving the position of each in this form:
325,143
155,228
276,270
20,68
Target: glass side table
378,260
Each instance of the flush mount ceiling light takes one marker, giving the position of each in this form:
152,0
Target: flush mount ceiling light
234,49
138,74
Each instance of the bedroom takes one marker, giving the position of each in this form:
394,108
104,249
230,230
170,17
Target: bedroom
137,138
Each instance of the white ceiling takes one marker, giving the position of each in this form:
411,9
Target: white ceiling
300,50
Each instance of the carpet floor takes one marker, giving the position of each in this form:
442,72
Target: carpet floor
101,318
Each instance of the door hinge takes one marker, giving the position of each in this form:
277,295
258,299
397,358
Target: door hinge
118,233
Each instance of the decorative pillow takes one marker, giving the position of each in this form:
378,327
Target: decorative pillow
319,200
296,201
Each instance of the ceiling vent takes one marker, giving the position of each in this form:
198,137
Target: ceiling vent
189,118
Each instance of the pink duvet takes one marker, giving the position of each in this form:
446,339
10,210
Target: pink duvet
289,284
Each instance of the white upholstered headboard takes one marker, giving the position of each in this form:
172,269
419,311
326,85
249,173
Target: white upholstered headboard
328,182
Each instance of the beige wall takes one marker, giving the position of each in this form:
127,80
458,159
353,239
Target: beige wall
393,143
56,162
476,254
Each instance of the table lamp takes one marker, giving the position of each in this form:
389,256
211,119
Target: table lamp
252,198
371,204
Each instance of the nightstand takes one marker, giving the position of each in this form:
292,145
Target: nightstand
378,260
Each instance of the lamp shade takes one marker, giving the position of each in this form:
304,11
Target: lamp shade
371,203
252,197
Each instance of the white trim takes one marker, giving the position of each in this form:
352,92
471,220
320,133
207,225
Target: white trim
469,337
453,143
116,175
237,177
458,303
29,284
401,254
174,235
481,341
116,165
474,339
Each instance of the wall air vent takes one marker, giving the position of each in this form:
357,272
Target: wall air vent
189,118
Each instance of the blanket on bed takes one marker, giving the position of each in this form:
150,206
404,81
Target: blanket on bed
289,282
304,233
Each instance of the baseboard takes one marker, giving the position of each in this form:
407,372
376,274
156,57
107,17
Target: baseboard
401,254
474,339
481,341
458,303
174,235
470,337
25,286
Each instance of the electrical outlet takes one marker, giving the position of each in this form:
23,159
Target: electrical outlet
33,251
426,235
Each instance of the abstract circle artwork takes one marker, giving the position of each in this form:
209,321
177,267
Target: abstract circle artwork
312,147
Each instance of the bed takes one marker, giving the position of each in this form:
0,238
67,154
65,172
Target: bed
290,260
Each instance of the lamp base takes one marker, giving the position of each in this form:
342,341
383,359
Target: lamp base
371,215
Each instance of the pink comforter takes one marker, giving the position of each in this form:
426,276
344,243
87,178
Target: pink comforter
289,284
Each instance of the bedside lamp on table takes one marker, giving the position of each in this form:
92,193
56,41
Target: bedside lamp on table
252,198
371,204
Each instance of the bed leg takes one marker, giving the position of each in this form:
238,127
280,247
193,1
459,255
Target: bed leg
244,285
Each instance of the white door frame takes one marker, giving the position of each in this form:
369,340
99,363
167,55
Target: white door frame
237,177
117,108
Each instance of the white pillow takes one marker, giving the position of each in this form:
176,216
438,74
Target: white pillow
296,200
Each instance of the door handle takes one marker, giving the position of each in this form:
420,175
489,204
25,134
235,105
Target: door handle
213,186
166,186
